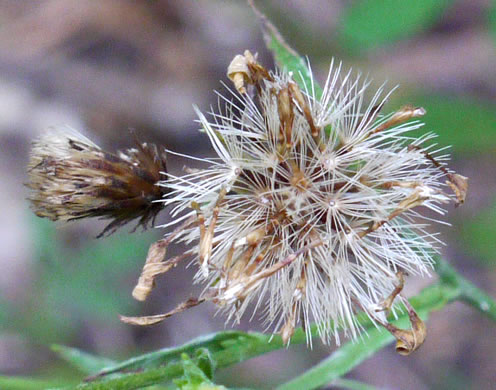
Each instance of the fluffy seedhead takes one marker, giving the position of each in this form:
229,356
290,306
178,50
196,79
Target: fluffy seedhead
72,178
311,210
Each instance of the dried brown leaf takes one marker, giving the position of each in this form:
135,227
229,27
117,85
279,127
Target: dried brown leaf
459,185
155,319
408,341
153,266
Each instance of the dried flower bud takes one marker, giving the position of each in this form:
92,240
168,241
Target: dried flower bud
72,178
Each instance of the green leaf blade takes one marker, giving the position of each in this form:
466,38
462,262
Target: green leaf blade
287,58
83,361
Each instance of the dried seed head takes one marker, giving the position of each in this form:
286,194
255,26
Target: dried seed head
309,210
72,178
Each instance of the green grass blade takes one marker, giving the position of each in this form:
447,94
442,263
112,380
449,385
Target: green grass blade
340,362
351,354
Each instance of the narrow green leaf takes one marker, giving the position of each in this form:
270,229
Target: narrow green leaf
83,361
340,362
368,24
286,57
136,380
227,348
347,357
231,347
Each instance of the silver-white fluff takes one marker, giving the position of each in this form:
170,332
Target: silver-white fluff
311,209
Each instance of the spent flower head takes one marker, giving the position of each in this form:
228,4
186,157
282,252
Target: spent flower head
73,178
311,210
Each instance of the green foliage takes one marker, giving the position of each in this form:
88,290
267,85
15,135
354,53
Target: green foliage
343,360
83,361
465,123
288,59
226,348
22,383
465,291
198,372
478,235
368,24
75,284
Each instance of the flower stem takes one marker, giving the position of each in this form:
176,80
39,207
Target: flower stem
467,291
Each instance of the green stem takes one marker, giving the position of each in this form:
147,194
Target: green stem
467,291
137,380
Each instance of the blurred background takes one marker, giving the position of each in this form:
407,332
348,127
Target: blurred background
110,66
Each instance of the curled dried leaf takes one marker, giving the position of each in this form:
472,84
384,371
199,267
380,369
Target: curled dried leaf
155,319
154,264
388,302
288,329
459,185
408,341
239,73
153,267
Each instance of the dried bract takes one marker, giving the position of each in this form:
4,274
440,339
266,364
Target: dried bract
72,178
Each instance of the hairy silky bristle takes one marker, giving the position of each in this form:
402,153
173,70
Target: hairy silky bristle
72,178
311,210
